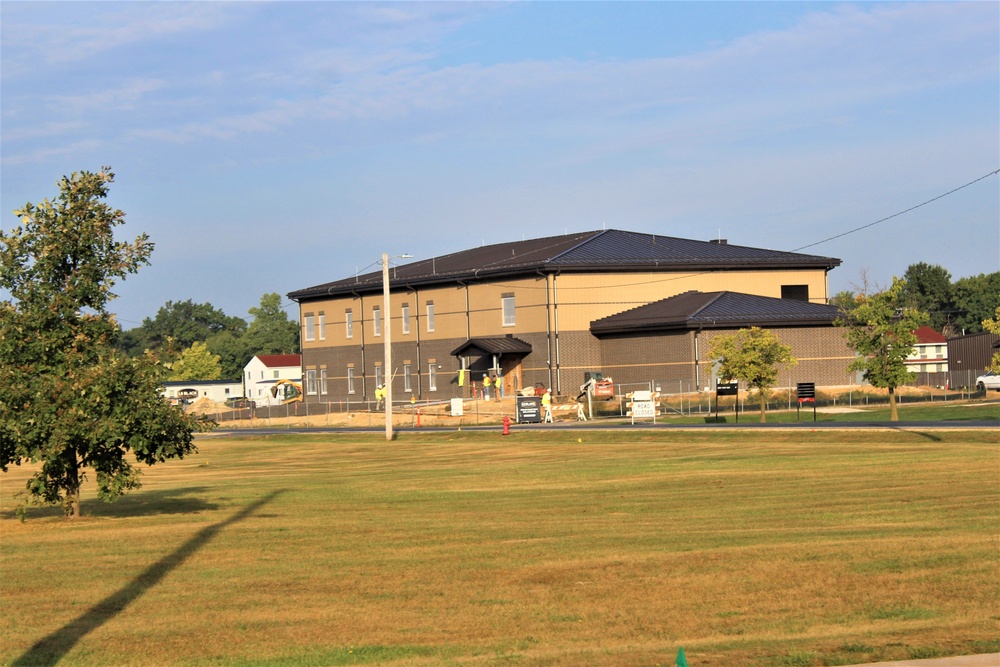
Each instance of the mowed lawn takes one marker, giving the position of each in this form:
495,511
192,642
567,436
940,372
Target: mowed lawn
543,548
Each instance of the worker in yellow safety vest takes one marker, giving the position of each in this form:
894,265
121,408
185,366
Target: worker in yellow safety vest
380,397
486,387
547,404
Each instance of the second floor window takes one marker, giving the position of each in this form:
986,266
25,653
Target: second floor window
377,317
508,310
406,318
350,323
430,316
309,326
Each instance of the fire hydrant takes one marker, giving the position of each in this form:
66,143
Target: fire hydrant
506,425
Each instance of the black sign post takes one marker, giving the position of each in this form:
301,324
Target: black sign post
727,389
807,394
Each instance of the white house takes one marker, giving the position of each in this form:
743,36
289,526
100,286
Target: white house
930,354
189,391
264,370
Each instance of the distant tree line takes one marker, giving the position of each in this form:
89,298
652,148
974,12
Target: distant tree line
197,341
953,307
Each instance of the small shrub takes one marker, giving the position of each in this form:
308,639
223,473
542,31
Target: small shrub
799,659
924,652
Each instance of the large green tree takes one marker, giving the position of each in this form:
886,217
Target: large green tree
976,299
231,348
196,363
176,326
992,325
928,289
845,300
69,399
880,330
271,332
753,356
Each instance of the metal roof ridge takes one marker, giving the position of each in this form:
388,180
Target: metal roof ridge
592,236
718,295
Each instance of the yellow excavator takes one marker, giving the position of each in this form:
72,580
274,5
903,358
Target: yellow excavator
287,391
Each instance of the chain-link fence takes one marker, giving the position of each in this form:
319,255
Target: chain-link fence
674,397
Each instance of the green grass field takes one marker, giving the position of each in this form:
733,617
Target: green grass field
543,548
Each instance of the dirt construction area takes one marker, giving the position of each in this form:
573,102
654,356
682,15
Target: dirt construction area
477,412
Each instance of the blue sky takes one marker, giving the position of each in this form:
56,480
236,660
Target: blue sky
270,147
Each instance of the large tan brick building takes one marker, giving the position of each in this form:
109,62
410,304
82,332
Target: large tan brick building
524,311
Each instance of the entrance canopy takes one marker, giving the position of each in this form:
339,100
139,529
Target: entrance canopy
478,347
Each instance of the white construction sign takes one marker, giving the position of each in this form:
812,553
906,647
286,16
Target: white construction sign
642,405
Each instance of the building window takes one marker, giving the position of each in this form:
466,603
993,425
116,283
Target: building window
795,292
407,378
309,327
377,317
430,316
350,323
277,374
321,326
432,377
322,382
311,382
508,310
350,380
378,376
406,318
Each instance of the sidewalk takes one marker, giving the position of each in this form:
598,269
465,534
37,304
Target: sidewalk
988,660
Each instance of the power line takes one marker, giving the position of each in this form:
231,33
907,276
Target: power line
896,215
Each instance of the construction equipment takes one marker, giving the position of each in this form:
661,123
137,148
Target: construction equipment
287,392
598,386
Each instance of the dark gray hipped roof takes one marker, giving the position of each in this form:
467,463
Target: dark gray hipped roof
716,310
495,345
608,250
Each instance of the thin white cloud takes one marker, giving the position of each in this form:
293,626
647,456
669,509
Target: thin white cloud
126,96
45,154
829,60
43,131
86,31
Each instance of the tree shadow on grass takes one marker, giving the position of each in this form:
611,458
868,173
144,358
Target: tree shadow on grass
922,434
51,649
138,503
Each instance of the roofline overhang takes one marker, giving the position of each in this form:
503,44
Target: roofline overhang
673,327
373,282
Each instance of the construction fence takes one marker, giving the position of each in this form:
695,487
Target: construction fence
673,398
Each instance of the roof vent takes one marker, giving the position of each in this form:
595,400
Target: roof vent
719,241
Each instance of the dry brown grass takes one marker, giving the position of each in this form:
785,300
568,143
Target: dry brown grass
466,549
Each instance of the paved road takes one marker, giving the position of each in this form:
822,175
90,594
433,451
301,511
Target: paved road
989,660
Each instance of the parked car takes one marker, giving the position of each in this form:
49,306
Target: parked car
989,381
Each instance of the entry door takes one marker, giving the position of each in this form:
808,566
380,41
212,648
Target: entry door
512,378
